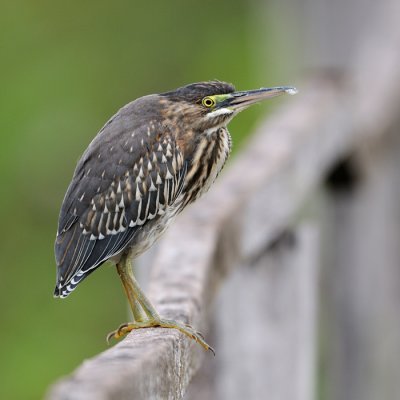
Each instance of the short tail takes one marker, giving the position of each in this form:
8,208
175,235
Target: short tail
65,290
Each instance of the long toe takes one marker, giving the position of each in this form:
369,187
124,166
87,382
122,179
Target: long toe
188,331
125,328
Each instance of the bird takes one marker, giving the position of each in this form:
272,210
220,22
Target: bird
155,156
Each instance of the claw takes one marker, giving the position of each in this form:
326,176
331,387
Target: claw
212,350
122,326
118,333
110,336
121,330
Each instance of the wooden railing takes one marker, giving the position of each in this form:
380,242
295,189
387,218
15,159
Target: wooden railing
248,270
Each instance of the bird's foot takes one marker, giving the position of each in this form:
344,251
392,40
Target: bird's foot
163,323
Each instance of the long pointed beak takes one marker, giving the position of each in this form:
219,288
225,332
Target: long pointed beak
241,100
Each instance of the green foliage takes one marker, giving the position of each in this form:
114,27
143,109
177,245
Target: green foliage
66,67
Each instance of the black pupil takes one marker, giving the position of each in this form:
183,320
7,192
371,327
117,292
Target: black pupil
208,102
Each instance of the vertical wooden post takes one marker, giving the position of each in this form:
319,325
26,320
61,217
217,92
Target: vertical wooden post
265,326
361,290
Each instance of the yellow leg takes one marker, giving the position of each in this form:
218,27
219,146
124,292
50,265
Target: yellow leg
125,272
145,315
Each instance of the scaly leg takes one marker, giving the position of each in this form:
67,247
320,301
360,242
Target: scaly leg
145,315
125,272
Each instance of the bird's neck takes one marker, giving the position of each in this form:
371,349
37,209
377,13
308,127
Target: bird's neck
207,161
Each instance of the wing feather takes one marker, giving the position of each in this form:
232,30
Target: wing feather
114,192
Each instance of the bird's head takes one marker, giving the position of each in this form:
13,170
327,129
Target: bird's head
207,105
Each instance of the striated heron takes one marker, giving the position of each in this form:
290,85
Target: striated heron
155,156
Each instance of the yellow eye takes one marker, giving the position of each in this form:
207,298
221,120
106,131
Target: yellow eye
208,102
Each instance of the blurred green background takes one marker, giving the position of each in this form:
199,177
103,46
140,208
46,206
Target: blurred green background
66,67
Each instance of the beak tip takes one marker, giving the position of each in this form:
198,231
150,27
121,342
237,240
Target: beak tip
292,91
